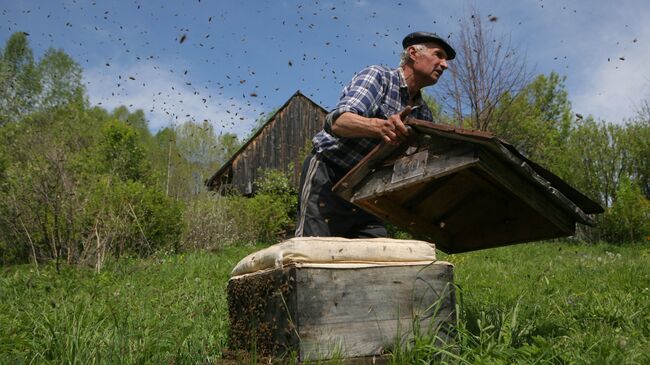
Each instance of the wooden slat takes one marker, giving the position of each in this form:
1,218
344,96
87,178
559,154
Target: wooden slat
360,312
345,186
456,159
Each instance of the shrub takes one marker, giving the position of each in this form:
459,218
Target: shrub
628,219
129,217
214,221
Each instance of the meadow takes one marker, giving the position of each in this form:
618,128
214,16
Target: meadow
548,302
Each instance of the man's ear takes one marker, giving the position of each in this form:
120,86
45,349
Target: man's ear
412,52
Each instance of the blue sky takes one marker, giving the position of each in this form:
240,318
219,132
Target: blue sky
243,58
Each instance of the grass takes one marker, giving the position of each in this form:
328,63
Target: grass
554,302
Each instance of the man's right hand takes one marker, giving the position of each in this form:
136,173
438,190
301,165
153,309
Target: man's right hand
393,130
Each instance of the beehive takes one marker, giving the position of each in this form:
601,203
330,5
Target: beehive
320,308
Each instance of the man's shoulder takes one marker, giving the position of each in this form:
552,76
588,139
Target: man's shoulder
382,69
378,74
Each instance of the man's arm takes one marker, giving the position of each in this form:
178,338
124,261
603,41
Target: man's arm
391,130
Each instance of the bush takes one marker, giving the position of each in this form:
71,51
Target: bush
628,219
214,221
131,218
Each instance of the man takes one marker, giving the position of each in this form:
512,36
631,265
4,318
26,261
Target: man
372,108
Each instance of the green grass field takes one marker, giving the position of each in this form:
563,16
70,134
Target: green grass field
554,302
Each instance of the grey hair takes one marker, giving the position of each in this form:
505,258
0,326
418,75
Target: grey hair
405,57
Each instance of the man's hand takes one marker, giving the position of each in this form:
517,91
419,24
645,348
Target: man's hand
393,130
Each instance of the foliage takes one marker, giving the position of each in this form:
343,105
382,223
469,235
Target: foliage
60,79
628,219
165,309
187,155
74,196
120,152
27,86
538,119
561,303
19,79
439,117
215,221
638,148
128,217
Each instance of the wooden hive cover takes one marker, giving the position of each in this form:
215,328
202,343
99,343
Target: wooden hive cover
464,190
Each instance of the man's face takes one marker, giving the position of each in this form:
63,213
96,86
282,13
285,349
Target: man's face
429,63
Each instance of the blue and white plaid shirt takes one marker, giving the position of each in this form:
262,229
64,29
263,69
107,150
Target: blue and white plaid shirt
374,92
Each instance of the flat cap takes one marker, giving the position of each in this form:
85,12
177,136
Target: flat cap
424,37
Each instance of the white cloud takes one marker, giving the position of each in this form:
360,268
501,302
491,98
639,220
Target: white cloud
576,40
617,78
166,97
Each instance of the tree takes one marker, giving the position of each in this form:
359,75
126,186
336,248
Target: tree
227,145
639,147
439,117
198,145
135,119
19,79
60,79
121,153
486,68
537,120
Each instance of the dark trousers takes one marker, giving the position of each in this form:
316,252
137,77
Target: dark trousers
322,213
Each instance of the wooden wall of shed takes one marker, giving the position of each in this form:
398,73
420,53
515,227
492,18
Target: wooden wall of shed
280,143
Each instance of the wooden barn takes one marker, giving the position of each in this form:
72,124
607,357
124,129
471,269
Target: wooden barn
280,144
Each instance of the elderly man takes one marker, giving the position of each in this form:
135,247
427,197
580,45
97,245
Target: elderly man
372,108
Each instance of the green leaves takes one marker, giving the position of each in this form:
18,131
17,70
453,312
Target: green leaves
27,86
121,153
19,79
537,120
628,219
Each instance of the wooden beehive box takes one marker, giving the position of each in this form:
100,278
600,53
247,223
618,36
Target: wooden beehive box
464,190
345,311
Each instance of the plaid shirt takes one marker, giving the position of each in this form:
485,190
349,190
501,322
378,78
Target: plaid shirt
375,92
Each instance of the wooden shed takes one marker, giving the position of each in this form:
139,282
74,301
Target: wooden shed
280,144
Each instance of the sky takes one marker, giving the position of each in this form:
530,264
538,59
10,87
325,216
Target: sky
229,62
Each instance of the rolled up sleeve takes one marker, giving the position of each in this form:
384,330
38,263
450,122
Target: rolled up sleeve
362,96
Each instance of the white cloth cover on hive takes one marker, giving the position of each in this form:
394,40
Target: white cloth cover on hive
324,251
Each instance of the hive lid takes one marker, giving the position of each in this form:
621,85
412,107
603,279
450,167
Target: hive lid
358,252
464,190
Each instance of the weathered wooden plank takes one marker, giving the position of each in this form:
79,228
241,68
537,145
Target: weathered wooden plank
345,313
458,158
362,338
368,164
361,312
534,172
333,296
